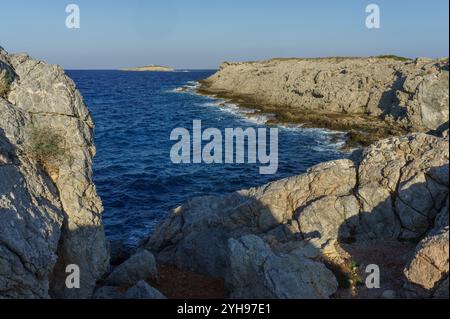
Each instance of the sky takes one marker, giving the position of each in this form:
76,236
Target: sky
200,34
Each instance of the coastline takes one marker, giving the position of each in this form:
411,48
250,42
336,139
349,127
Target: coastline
368,98
338,138
360,131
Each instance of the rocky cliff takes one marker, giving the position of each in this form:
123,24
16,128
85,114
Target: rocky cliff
375,97
296,238
50,211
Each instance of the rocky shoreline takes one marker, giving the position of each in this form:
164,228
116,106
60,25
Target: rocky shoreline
307,236
370,98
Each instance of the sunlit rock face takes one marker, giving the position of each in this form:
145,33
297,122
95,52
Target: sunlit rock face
50,218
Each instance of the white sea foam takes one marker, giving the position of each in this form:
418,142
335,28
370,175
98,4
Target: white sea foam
327,139
189,88
249,115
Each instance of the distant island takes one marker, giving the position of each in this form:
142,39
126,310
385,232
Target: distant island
150,68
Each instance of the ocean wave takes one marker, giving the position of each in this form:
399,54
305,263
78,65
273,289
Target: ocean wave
190,88
246,114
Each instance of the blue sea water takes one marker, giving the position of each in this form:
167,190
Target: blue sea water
135,113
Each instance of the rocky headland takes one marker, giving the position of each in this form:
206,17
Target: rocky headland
307,236
371,98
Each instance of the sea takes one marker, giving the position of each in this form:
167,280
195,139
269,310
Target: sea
134,115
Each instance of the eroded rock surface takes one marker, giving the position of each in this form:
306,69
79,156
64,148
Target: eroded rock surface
49,219
429,267
256,272
396,189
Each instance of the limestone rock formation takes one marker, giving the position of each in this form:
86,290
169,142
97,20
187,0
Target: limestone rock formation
50,218
430,263
428,268
255,272
30,225
380,96
396,189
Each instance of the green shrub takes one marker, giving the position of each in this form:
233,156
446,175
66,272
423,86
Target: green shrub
48,148
4,89
4,85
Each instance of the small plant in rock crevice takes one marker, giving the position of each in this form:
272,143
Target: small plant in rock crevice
48,148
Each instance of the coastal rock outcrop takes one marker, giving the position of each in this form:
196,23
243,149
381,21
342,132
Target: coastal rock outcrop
378,96
429,266
51,214
255,272
30,225
430,263
397,189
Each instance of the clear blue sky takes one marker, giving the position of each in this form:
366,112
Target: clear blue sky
203,33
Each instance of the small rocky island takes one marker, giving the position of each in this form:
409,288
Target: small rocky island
149,68
307,236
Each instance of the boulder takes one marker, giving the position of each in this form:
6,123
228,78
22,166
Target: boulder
255,272
140,266
429,265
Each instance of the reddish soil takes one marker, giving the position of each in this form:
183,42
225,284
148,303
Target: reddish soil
176,283
390,256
